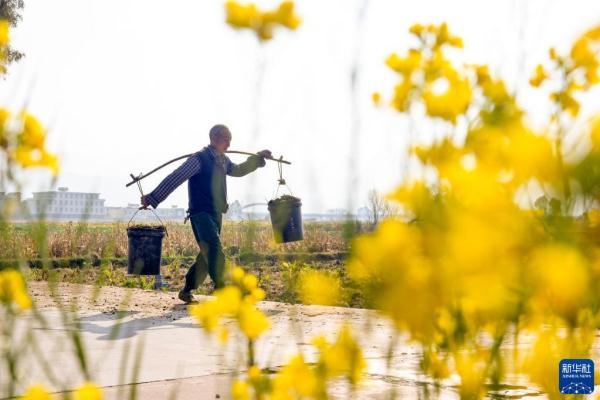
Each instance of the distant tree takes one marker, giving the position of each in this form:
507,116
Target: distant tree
380,208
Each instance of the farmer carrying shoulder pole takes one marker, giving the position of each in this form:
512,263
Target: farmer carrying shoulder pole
206,173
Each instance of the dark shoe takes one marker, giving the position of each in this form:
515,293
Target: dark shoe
186,297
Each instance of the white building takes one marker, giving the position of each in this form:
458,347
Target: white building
174,213
65,205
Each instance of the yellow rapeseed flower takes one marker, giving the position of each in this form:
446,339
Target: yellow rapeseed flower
13,290
567,102
319,288
240,390
560,276
405,65
452,100
228,299
443,36
402,92
250,282
295,378
417,29
252,321
206,313
342,357
88,391
33,134
376,97
36,392
262,23
4,32
539,76
237,274
595,133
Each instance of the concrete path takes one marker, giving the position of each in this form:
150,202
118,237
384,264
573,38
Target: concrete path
179,360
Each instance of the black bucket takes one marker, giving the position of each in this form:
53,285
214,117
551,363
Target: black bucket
145,244
286,218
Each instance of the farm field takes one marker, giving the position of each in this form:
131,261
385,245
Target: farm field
96,253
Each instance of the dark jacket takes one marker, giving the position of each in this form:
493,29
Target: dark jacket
207,189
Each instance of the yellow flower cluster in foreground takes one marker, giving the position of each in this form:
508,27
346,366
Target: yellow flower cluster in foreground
341,359
13,291
22,139
474,263
237,301
262,23
299,379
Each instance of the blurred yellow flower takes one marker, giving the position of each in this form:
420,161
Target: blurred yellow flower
296,377
236,301
256,295
376,97
23,140
13,290
240,391
448,96
206,313
566,101
36,392
595,132
252,321
4,32
550,346
559,277
443,36
88,391
539,76
250,282
405,65
417,29
248,16
319,288
228,299
342,357
33,134
470,257
401,97
471,366
435,365
237,274
440,155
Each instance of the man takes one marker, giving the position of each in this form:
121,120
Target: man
206,173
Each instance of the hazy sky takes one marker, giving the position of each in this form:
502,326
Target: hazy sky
127,85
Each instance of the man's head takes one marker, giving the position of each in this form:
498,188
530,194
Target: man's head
220,138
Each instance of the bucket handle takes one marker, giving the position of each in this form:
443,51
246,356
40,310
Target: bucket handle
138,210
155,214
281,182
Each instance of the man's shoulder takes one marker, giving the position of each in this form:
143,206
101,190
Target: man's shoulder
205,152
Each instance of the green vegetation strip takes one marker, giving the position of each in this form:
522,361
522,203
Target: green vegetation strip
243,258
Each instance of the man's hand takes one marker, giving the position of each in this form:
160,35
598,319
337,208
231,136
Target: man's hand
144,201
265,153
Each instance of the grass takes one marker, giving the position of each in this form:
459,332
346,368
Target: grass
105,240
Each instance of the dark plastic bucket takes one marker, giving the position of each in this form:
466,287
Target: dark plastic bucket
286,219
145,245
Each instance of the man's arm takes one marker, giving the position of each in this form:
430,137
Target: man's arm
185,171
251,164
